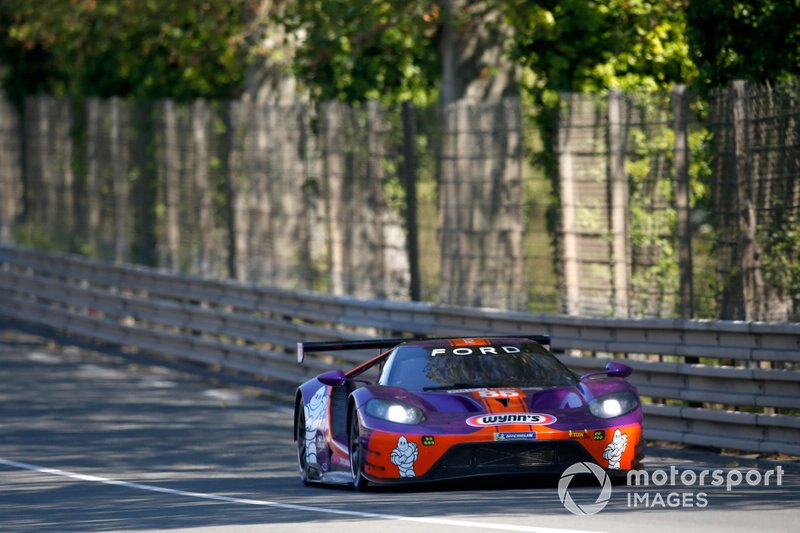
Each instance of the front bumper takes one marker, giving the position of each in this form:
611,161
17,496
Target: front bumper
504,458
402,458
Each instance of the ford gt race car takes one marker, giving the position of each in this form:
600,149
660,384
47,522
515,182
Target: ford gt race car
461,407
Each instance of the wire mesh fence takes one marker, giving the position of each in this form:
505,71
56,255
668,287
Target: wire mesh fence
756,200
709,188
666,205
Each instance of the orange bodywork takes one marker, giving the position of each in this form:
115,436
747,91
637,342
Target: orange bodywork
431,448
381,445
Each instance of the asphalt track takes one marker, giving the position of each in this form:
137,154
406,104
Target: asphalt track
92,442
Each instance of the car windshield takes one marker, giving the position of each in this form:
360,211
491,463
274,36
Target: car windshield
457,367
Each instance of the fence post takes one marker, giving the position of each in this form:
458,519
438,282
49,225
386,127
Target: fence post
680,105
202,183
41,177
10,169
618,182
93,172
334,167
64,142
119,181
172,229
380,260
512,224
752,283
144,208
566,191
44,107
449,182
410,182
227,164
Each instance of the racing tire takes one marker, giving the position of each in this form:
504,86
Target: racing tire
357,454
302,463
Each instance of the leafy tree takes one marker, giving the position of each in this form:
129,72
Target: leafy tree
140,48
756,40
355,51
591,45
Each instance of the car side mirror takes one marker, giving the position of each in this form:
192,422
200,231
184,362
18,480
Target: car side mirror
618,370
613,370
332,378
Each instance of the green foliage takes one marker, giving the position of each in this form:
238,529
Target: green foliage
592,46
140,48
386,49
757,40
356,51
781,257
589,45
653,219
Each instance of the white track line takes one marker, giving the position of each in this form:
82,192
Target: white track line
305,508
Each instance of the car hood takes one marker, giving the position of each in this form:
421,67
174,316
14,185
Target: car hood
567,405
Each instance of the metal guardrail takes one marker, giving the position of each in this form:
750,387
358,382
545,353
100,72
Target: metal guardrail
748,370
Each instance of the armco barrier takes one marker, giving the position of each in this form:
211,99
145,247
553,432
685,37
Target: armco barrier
749,370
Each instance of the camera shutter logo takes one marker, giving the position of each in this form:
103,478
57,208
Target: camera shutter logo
585,509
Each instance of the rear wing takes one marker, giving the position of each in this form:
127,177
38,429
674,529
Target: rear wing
334,346
384,344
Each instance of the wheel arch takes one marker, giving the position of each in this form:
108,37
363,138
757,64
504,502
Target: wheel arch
351,407
298,404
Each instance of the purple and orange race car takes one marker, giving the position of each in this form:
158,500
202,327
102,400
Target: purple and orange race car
461,407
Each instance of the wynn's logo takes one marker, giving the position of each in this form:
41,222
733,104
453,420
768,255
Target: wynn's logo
505,419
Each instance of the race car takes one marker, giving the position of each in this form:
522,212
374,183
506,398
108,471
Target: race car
459,408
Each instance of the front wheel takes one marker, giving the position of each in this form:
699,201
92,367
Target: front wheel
357,454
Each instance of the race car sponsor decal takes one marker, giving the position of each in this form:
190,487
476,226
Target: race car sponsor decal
578,434
314,412
599,435
615,449
528,435
486,393
504,419
404,456
428,440
476,350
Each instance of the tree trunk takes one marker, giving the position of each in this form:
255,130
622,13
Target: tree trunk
472,52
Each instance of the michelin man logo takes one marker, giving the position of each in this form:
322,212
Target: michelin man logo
404,457
315,414
615,449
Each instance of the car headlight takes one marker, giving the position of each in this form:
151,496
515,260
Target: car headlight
616,404
397,412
